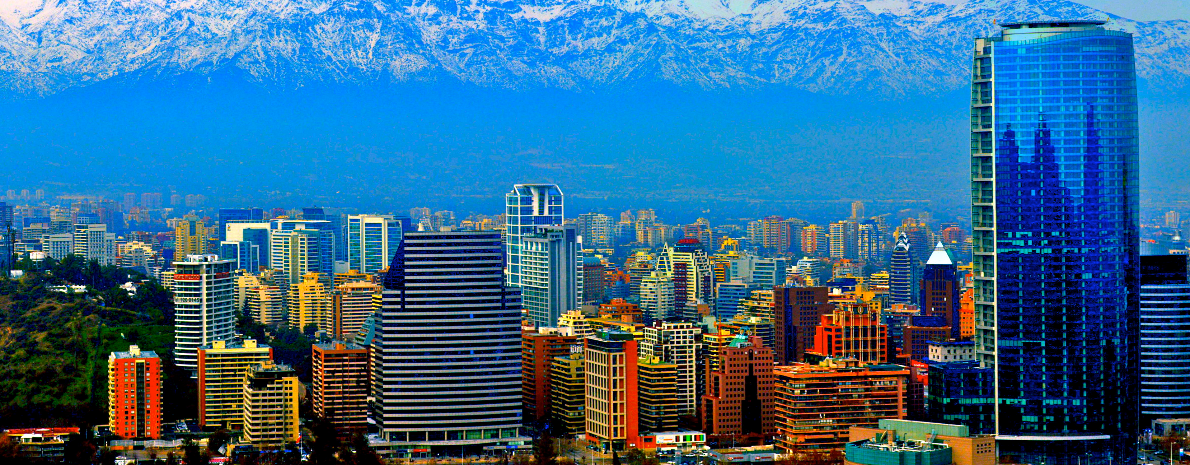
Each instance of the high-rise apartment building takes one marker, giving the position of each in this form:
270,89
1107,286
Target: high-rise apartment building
538,352
596,230
446,313
371,241
310,304
612,404
739,390
676,342
204,305
810,414
351,304
551,278
340,372
528,207
814,242
696,273
190,237
797,311
134,394
1164,338
270,399
222,368
844,240
657,404
1054,188
657,296
568,394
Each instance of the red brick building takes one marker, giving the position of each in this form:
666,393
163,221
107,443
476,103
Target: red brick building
340,372
739,398
537,352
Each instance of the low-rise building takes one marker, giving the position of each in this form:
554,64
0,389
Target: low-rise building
894,441
816,405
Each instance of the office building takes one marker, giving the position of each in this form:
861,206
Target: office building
1164,338
917,442
739,390
727,298
846,333
551,279
297,247
612,404
961,393
254,233
1056,294
190,237
351,304
204,305
920,333
538,351
816,405
901,275
271,406
242,254
371,241
797,311
245,215
340,372
688,263
528,207
446,313
568,396
657,404
134,394
676,342
940,289
93,242
222,368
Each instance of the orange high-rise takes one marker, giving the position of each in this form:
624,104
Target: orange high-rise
134,394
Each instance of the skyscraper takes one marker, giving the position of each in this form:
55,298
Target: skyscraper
227,215
901,275
447,315
204,305
527,207
1055,215
551,278
940,288
371,241
596,230
1164,341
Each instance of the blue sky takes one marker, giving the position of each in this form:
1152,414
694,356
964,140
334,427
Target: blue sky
1143,10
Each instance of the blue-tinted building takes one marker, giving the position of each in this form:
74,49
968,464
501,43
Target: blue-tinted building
527,207
371,241
960,393
1055,210
1164,338
227,215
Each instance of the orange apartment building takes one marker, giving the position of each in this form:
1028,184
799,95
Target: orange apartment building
538,351
134,394
341,383
816,405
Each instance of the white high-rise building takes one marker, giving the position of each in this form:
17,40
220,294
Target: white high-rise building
371,241
596,230
204,305
657,296
93,242
676,342
527,207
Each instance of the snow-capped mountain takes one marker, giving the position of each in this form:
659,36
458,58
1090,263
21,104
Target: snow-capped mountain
887,48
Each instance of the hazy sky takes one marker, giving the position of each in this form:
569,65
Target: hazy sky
1143,10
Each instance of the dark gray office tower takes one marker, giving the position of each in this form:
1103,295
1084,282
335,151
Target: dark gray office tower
1164,338
447,347
1054,189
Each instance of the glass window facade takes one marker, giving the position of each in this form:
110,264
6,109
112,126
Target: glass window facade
1055,202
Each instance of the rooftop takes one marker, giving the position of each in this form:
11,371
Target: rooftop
1051,23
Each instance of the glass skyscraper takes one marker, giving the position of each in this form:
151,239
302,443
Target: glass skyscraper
371,241
1164,337
527,207
1054,210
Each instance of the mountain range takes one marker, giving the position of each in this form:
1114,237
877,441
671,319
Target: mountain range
886,49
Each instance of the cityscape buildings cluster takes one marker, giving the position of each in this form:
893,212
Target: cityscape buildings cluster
1036,334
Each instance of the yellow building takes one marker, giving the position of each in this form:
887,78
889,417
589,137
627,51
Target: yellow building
266,305
222,368
351,276
577,322
567,394
190,237
310,304
351,304
657,383
270,399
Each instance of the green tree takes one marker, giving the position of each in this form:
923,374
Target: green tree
545,453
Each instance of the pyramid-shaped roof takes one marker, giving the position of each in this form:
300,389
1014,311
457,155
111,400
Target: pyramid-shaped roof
940,256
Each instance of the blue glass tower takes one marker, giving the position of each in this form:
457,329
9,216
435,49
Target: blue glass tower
1054,211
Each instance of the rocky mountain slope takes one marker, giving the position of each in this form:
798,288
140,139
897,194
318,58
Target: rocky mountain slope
884,48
